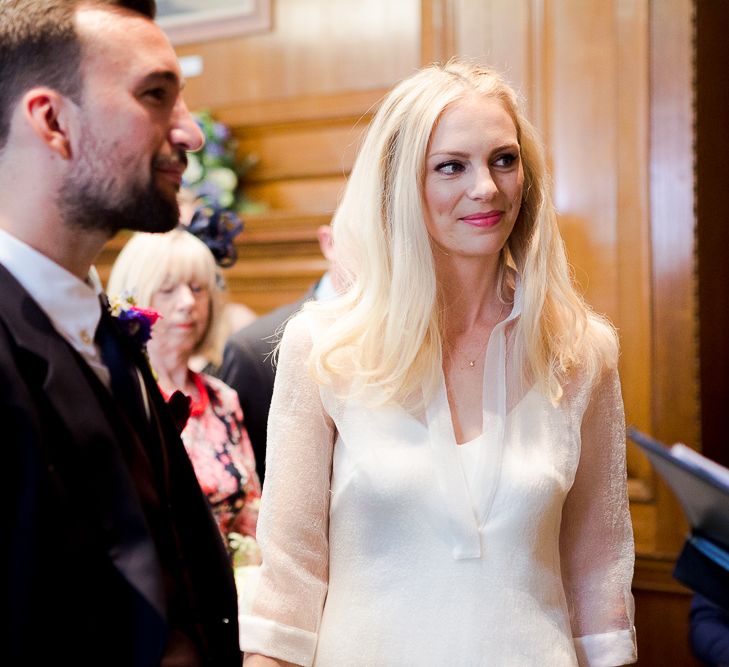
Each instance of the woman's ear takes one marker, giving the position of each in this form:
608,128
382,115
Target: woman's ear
47,113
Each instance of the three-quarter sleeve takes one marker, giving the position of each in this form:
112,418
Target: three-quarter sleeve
294,517
596,537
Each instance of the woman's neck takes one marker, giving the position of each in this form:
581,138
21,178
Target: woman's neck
172,372
469,294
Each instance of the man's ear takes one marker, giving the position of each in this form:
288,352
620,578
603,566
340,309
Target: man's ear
326,242
47,113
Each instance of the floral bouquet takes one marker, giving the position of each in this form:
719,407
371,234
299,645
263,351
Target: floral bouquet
213,174
246,557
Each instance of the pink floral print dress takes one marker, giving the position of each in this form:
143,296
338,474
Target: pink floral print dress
221,454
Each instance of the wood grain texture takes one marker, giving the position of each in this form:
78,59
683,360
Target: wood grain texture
675,373
316,47
633,314
662,615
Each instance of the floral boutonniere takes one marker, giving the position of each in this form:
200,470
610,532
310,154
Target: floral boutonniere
135,322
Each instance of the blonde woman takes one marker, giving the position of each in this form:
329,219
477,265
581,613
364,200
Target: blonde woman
446,478
176,275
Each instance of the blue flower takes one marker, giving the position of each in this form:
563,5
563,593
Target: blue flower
134,322
221,132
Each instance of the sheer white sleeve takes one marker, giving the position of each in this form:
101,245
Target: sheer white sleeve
596,538
294,518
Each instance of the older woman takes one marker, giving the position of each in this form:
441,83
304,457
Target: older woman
176,275
446,479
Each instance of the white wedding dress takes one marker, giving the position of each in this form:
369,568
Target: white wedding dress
385,545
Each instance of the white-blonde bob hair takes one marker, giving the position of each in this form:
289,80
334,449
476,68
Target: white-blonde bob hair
149,261
387,328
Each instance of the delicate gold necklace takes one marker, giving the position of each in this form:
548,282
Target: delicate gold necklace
472,363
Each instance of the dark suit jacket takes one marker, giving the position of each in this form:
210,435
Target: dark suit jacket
82,580
248,366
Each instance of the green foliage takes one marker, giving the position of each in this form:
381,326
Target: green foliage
214,173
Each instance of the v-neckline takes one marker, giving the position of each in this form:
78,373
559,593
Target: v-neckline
467,514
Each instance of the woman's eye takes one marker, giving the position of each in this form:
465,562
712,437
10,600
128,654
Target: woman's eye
506,160
196,288
449,168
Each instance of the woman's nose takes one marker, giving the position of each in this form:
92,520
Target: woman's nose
185,299
483,186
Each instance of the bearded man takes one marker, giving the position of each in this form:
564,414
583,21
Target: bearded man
113,556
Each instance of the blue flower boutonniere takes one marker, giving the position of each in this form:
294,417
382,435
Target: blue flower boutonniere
135,322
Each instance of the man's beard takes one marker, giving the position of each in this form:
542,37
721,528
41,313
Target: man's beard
141,210
89,202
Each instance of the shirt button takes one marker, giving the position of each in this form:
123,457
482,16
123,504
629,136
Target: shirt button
85,337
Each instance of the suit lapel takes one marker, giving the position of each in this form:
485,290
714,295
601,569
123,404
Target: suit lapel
95,426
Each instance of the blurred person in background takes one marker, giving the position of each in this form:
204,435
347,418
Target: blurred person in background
176,275
235,316
709,632
248,363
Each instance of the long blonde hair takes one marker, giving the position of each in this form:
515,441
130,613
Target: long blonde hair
147,261
386,330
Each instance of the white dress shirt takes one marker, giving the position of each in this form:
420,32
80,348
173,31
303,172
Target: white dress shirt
325,288
72,305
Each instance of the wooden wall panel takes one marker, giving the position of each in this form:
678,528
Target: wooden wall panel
306,108
302,150
497,33
263,285
310,194
278,259
316,47
675,379
596,112
582,130
633,315
437,36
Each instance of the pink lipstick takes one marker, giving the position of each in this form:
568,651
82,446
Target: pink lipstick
487,219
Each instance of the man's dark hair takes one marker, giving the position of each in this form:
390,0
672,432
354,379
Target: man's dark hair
39,46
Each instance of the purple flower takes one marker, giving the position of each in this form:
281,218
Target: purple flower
220,131
137,323
215,150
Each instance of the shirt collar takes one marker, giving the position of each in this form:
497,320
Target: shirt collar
325,288
71,304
